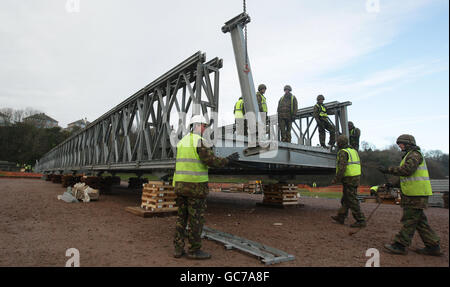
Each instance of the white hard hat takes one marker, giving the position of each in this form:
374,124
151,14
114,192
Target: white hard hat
198,119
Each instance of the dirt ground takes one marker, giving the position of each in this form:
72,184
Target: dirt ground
36,229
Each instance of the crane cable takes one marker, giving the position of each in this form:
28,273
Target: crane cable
246,68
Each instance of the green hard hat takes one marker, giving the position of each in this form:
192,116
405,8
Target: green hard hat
406,139
261,87
342,140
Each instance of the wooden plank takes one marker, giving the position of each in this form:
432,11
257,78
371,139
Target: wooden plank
136,210
277,205
159,205
152,189
161,210
155,182
158,200
159,194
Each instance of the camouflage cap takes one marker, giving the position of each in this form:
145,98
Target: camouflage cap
350,124
342,141
320,97
262,87
287,87
406,139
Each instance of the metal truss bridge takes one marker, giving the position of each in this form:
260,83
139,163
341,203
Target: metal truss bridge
140,134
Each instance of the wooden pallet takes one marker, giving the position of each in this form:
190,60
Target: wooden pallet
281,195
280,200
155,209
158,199
139,211
278,205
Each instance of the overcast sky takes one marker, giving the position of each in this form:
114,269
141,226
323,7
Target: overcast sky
390,60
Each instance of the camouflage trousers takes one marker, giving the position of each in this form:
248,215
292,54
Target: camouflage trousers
414,219
350,201
285,126
191,215
329,127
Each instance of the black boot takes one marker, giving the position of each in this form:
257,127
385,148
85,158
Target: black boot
179,253
338,219
358,224
396,248
198,254
430,250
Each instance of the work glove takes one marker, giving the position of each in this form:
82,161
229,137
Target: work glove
382,169
233,157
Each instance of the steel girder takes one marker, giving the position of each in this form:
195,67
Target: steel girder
139,134
136,134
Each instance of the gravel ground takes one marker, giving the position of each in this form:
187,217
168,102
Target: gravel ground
36,229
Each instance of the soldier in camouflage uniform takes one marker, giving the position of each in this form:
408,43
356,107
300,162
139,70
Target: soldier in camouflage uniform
262,104
287,109
348,173
320,114
192,190
355,133
415,189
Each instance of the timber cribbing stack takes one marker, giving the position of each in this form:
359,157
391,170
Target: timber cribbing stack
159,196
280,194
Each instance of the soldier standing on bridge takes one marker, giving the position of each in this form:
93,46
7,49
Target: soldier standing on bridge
240,123
262,104
355,133
415,189
348,171
287,109
191,186
323,122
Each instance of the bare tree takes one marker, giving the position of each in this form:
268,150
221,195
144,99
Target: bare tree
7,114
18,115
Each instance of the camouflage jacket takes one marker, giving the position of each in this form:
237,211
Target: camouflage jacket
342,161
354,138
412,162
285,111
200,190
317,111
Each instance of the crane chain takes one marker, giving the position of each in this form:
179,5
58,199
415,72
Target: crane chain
246,69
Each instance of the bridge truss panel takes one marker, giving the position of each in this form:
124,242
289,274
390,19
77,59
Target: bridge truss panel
138,131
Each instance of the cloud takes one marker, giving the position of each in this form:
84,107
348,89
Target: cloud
76,65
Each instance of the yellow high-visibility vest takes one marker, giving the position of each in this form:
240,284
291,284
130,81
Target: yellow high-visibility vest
418,184
263,103
239,109
353,164
189,167
323,111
